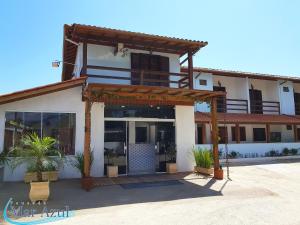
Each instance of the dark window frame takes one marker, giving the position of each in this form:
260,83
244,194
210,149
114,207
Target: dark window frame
242,133
259,131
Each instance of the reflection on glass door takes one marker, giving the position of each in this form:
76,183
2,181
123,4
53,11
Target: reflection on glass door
166,149
115,139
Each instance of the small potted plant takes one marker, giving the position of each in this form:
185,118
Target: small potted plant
50,172
37,152
204,161
171,163
112,170
4,160
78,163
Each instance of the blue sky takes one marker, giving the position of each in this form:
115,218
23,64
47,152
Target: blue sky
255,36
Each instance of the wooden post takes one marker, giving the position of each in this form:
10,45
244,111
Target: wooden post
237,133
190,69
87,138
84,58
295,133
268,133
214,136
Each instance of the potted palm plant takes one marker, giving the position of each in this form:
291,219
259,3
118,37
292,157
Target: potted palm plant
78,163
171,163
112,170
37,153
204,161
50,172
4,160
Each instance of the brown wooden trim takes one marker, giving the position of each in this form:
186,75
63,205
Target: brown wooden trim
42,90
295,133
84,58
87,138
190,69
268,133
214,136
237,133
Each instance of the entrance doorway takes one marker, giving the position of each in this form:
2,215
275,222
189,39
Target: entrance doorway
138,146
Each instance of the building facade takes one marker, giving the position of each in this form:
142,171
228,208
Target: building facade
128,93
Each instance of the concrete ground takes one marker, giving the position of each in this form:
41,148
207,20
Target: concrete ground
256,194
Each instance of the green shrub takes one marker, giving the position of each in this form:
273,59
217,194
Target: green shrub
285,151
233,154
294,151
203,158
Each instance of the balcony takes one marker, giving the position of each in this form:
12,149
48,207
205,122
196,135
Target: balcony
241,106
115,75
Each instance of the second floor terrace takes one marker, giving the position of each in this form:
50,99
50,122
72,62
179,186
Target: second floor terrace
110,56
249,93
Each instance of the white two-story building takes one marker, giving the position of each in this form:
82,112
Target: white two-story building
128,92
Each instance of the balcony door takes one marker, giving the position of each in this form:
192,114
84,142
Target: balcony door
146,63
256,105
221,101
297,103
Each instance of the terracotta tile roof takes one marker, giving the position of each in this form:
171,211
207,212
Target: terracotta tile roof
248,118
41,90
232,73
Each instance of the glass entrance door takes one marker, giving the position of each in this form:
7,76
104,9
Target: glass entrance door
115,145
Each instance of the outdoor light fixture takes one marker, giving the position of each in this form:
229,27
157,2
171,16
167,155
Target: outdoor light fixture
158,107
123,106
56,63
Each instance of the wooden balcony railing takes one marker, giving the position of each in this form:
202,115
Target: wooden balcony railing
265,107
232,105
115,75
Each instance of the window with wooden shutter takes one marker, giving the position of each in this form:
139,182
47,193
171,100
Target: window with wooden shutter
242,133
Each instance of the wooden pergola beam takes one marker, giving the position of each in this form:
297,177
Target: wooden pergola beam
190,69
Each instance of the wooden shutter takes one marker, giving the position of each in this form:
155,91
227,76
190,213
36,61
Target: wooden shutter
256,101
165,67
223,135
221,101
135,64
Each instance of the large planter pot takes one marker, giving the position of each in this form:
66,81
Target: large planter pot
50,176
87,183
30,177
39,191
112,171
204,171
218,174
171,168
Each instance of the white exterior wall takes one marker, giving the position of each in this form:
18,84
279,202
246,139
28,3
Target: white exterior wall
185,137
100,55
203,107
286,99
67,101
253,148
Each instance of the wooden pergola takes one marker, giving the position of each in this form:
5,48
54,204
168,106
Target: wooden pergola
146,95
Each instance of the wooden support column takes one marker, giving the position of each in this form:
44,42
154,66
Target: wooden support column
190,69
268,133
214,136
87,138
84,58
237,133
295,133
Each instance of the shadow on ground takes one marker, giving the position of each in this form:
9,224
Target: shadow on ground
69,192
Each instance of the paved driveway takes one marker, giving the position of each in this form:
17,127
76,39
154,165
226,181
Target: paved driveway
261,194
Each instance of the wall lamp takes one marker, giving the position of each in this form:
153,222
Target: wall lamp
56,63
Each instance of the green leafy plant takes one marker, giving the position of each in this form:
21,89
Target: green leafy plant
110,155
4,159
294,151
285,151
233,154
171,152
78,162
37,153
203,158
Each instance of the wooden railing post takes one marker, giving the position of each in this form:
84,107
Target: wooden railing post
190,69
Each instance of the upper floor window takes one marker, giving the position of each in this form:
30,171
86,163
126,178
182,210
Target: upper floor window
203,82
286,89
60,126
